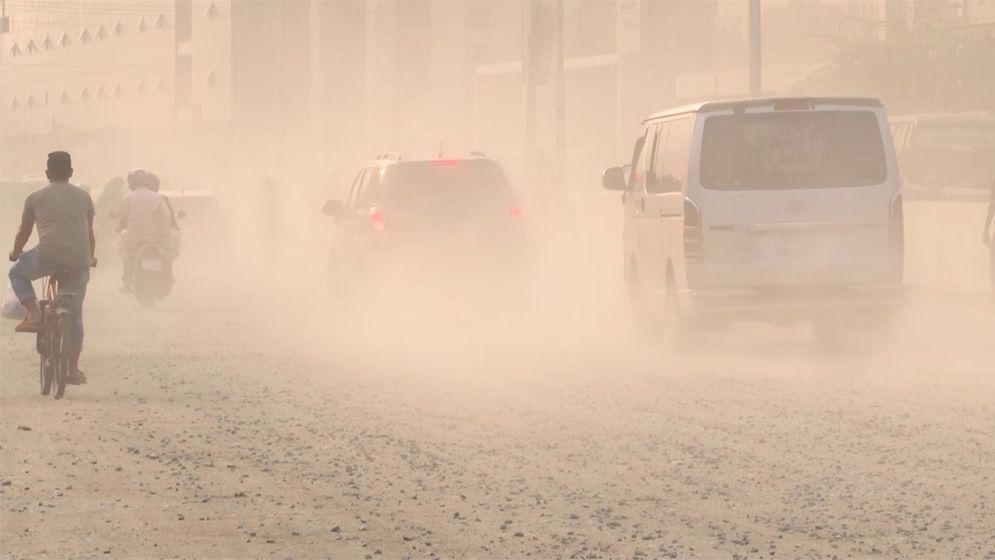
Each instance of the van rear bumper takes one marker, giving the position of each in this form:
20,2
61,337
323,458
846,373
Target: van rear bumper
793,303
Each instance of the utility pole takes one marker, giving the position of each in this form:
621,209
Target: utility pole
560,100
530,18
396,94
756,86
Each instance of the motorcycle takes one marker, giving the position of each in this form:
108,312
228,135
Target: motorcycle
153,277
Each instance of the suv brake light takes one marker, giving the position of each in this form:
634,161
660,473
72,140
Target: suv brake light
515,212
377,219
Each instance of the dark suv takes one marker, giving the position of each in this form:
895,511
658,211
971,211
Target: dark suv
451,223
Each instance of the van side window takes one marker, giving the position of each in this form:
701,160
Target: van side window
672,169
636,173
654,174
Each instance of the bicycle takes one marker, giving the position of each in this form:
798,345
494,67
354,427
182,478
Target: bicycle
55,338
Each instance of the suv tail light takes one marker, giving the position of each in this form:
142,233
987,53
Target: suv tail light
515,212
377,219
694,242
896,226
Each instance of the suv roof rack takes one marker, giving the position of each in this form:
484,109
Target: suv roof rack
395,156
477,153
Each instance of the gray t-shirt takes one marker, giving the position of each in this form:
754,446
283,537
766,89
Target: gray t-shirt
62,215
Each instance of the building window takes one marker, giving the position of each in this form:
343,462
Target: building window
101,93
210,80
15,50
64,98
31,102
160,86
31,48
211,12
48,44
14,104
141,87
159,22
141,25
101,32
118,91
84,37
118,30
64,40
85,96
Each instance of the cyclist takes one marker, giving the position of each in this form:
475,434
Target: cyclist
144,219
63,214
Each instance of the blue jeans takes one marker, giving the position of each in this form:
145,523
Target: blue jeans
73,280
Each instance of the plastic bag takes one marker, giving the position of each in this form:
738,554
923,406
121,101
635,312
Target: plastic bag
12,308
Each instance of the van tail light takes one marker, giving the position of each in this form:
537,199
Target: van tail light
896,226
515,212
377,219
694,243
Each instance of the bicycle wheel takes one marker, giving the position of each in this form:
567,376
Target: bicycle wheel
61,355
46,366
44,375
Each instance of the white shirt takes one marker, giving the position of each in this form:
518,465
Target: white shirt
144,218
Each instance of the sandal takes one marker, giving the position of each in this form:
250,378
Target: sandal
28,325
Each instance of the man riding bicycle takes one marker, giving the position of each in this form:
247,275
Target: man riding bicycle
63,214
144,219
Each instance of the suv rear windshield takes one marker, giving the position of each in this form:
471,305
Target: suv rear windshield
792,150
447,185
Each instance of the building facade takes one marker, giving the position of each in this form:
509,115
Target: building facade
266,86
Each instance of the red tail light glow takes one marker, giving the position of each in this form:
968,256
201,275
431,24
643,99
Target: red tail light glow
445,162
515,212
377,218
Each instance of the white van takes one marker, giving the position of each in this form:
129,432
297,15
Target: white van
779,210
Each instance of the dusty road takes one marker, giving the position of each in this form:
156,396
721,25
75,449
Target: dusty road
222,425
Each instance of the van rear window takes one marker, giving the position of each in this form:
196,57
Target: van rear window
792,150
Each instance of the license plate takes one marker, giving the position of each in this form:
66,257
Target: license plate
802,245
152,265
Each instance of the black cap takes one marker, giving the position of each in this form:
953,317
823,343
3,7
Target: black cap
60,162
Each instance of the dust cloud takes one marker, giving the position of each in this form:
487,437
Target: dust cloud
258,410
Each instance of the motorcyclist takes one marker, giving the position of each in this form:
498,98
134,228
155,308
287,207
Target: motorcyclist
153,180
174,234
144,219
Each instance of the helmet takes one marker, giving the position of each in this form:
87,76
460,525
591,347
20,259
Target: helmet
137,178
152,181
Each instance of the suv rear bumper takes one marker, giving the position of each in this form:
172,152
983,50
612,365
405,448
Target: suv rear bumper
793,303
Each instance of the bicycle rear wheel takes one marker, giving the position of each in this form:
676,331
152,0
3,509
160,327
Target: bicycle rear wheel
60,357
46,366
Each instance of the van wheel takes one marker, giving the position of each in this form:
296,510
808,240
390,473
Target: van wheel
677,331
